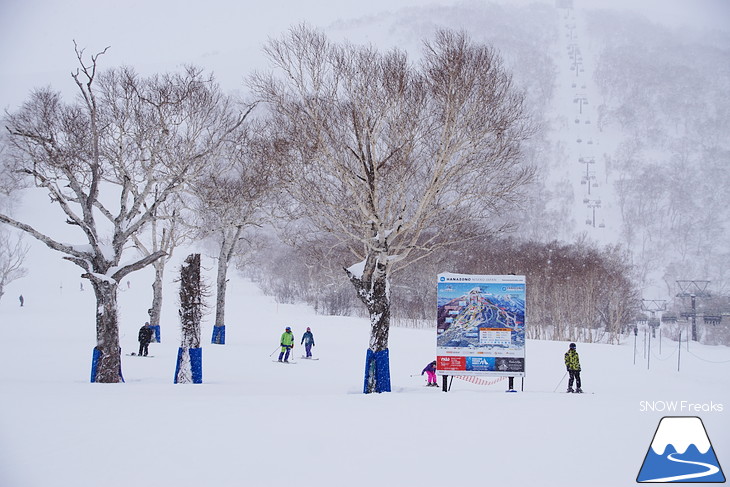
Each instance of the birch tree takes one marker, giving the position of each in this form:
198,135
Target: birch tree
108,161
394,158
165,232
13,252
233,198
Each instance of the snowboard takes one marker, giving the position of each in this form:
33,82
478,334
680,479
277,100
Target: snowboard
135,355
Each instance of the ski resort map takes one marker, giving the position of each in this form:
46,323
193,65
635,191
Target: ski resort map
480,325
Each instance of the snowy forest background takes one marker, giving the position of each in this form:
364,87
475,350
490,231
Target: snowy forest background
633,110
661,115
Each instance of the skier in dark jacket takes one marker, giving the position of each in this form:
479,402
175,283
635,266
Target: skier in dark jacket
308,341
430,371
572,363
145,337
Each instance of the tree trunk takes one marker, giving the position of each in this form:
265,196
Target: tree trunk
108,362
190,302
189,359
221,282
228,245
379,310
156,309
373,292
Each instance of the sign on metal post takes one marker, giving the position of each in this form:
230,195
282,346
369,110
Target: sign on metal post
480,325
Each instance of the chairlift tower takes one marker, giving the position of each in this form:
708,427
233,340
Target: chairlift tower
693,289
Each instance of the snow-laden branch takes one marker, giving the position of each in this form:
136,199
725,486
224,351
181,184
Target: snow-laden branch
48,241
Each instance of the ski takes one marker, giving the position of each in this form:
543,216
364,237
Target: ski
309,358
135,355
282,362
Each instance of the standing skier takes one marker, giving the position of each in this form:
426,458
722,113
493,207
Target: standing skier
308,341
572,363
144,337
287,343
430,371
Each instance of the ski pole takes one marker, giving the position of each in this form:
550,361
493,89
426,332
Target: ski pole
275,350
561,381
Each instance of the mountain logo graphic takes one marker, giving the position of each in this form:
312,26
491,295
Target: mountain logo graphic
681,452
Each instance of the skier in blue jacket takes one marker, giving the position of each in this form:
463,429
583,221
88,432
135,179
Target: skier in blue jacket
308,341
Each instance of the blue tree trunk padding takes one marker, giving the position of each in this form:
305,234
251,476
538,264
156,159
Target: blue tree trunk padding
377,372
95,363
196,364
219,335
193,363
156,337
95,359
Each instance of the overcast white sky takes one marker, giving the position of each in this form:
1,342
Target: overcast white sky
223,36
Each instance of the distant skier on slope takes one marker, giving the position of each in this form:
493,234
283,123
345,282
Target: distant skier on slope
287,343
144,337
430,371
572,363
308,341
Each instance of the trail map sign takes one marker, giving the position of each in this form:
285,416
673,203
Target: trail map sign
480,325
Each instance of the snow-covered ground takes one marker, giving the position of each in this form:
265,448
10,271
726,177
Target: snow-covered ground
259,423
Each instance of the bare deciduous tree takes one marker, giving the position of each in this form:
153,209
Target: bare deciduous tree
109,160
232,198
12,256
396,159
165,233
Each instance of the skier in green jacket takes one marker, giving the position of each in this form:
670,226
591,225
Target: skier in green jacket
572,363
287,343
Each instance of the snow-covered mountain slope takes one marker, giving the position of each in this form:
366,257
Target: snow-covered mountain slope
256,422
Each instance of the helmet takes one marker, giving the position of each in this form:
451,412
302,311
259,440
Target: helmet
308,329
288,328
572,345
